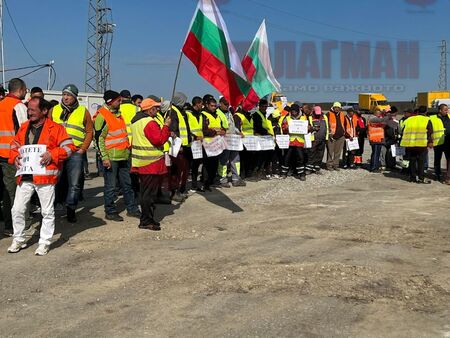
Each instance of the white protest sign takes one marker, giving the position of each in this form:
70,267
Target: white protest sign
352,145
214,147
197,150
175,145
298,127
397,150
234,142
308,141
266,142
30,162
282,141
251,143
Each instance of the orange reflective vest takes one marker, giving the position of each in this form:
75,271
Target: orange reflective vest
117,137
350,126
7,131
58,142
332,121
376,132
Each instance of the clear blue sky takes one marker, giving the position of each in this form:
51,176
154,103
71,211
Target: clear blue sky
149,35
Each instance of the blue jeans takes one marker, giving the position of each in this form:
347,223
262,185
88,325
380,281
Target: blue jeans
375,157
74,170
119,170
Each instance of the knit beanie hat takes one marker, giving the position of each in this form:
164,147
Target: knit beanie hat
179,99
71,89
110,95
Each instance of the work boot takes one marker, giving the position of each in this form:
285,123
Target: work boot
135,214
177,197
71,218
239,183
225,185
424,181
114,217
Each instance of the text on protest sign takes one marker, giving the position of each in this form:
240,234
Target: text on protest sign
31,160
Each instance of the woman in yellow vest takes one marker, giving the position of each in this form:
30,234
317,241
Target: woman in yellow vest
77,121
147,158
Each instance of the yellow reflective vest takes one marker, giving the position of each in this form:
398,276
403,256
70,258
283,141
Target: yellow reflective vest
223,118
415,131
128,111
159,118
296,137
195,126
182,127
246,124
143,152
213,122
266,124
74,124
326,123
438,130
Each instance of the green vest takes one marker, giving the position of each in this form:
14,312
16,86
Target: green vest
326,123
182,127
223,118
142,151
74,124
438,130
415,132
266,124
246,125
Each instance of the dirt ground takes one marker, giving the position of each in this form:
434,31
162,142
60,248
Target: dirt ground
348,254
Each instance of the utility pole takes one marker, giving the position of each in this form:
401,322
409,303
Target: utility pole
443,67
98,52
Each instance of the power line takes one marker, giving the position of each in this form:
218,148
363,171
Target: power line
18,34
33,71
330,25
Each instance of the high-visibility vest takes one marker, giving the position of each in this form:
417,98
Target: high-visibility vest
223,118
350,126
327,135
143,152
213,122
196,126
246,124
7,131
74,124
117,137
376,132
128,111
159,118
438,130
296,137
182,127
58,142
266,124
333,123
415,132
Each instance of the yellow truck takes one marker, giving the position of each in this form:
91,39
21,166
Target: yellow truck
427,98
368,102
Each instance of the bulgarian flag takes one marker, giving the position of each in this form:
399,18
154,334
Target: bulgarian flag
209,47
258,68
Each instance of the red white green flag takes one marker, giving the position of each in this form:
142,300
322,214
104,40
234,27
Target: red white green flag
209,47
258,68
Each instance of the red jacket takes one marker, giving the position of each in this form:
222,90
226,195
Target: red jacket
58,143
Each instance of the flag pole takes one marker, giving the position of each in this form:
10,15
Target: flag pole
176,76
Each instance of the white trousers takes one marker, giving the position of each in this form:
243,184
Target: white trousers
46,193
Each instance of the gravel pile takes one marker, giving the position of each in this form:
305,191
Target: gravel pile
272,190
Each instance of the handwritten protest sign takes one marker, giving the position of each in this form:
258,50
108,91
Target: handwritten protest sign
197,150
214,147
251,143
308,141
175,145
234,142
298,127
352,145
266,142
31,160
282,141
396,150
